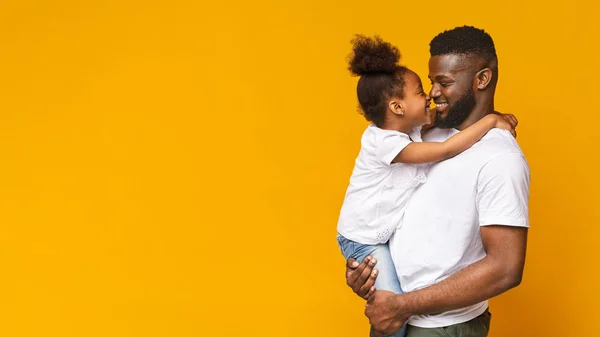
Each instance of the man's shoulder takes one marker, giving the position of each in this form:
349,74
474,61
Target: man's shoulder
501,154
498,141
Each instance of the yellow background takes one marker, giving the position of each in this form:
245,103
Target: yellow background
176,168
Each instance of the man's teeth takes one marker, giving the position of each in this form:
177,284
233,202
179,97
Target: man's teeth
440,105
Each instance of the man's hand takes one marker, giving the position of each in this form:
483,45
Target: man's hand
386,312
361,277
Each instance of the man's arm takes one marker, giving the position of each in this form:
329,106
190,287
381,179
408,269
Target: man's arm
502,199
499,271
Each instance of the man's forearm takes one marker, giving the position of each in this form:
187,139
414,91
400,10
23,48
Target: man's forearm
500,270
473,284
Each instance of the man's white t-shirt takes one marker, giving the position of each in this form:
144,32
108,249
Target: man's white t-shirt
379,190
487,184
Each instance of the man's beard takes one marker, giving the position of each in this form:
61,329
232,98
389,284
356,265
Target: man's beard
458,112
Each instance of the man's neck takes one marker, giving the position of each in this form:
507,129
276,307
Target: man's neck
478,113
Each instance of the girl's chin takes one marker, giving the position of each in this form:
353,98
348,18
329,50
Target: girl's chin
428,119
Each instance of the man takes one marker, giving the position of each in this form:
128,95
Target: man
464,234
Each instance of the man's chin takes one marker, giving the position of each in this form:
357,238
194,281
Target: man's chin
442,123
451,118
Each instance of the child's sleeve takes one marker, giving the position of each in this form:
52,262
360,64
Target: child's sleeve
390,145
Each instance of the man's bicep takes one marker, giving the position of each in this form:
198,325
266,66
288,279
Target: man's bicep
503,191
506,246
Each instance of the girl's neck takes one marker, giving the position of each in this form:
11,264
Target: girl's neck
397,125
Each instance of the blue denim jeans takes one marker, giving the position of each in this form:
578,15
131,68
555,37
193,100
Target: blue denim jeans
386,278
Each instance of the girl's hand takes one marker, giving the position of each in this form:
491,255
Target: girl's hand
507,122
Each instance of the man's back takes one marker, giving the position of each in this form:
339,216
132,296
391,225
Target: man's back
485,185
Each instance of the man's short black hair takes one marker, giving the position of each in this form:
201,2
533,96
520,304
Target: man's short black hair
464,40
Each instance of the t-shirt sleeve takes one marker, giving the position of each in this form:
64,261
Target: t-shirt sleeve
390,145
503,191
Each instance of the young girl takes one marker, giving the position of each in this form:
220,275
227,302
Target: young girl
393,160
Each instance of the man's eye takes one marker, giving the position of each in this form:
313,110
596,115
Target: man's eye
445,84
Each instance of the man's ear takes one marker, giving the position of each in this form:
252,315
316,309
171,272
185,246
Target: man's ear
483,78
396,107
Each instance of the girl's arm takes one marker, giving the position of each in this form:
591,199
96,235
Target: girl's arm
430,152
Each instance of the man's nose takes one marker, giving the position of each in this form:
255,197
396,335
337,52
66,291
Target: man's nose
434,92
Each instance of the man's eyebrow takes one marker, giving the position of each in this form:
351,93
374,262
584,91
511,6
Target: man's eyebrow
442,77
